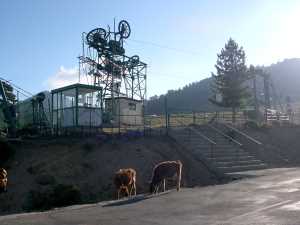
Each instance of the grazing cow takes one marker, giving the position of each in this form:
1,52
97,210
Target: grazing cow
163,171
3,180
125,181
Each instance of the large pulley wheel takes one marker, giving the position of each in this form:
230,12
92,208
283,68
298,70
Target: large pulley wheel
124,29
96,37
134,60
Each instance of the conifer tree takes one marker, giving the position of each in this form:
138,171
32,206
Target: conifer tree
228,85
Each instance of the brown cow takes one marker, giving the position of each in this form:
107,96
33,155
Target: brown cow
3,180
165,170
125,181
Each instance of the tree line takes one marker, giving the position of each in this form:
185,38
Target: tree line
226,88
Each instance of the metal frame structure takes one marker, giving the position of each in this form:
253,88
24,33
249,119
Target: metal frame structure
104,64
271,100
8,106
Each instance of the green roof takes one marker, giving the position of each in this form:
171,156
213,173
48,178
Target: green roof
77,85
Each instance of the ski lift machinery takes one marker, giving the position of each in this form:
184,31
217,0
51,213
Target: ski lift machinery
104,63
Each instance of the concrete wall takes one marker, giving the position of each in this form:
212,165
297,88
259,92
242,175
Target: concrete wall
130,112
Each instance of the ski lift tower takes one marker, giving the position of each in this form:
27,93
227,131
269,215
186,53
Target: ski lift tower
104,63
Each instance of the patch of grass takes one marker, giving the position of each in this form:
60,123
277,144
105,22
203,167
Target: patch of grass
58,196
88,147
45,179
64,195
275,123
35,169
7,151
251,125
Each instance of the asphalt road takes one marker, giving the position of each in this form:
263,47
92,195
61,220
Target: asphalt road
265,197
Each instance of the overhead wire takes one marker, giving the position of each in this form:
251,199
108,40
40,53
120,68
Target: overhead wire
19,89
185,51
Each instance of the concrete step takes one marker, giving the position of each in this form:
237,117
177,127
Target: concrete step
224,150
229,158
219,149
226,154
231,169
225,147
238,163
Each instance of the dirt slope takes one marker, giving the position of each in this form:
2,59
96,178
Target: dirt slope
90,165
280,145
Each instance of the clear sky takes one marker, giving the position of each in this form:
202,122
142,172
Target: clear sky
40,40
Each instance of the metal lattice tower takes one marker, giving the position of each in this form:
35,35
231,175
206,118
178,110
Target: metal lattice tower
103,62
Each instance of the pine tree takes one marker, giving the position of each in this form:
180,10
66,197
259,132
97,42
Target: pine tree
229,82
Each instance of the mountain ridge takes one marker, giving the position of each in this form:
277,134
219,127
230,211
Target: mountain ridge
285,77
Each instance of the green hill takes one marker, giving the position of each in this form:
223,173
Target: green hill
285,76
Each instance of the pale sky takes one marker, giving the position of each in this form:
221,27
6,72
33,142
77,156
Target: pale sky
179,40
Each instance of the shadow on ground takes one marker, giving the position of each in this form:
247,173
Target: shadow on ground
135,199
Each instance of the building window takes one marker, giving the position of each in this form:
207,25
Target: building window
132,106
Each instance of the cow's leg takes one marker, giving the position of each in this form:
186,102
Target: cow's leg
5,186
164,184
130,189
134,186
156,189
179,178
2,185
118,194
127,192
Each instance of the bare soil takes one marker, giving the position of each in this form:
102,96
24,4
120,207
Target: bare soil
281,145
90,163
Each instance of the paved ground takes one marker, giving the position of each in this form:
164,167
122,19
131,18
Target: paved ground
265,197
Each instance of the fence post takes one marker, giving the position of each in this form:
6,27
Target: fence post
166,114
194,118
150,124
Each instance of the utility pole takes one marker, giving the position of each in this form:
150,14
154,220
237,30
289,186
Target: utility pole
166,113
266,77
255,96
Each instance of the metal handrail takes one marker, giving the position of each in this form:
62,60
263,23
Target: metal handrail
225,135
243,134
203,136
200,134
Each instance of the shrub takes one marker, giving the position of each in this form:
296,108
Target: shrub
58,196
251,114
251,125
6,151
88,147
28,130
64,195
275,123
35,169
265,126
45,179
37,200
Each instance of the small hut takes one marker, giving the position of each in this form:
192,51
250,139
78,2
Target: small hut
125,111
76,107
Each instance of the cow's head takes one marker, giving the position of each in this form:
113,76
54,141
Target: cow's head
124,189
153,185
